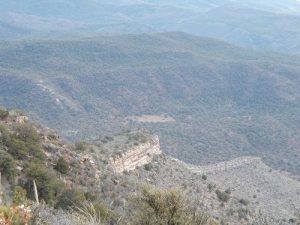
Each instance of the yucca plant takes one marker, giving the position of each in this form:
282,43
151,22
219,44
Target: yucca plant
95,214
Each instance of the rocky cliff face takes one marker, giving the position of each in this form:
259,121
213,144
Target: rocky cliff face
137,156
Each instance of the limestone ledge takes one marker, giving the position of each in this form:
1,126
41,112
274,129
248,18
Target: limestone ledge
137,156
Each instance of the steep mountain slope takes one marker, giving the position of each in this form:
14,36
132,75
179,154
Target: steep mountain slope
266,25
240,191
208,100
252,189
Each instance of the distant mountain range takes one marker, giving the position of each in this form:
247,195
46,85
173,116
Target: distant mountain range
209,101
265,25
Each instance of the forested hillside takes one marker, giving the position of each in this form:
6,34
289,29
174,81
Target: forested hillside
208,100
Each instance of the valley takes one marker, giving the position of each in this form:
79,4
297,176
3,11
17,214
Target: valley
224,101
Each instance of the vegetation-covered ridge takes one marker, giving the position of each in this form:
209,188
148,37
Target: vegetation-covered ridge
67,178
224,101
32,152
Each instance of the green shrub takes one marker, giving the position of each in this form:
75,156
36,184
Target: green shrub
23,145
18,149
91,195
222,196
7,165
19,113
104,213
23,142
243,214
160,206
70,199
48,185
3,114
148,167
228,191
4,135
80,146
166,206
62,166
35,150
211,186
27,133
19,196
244,201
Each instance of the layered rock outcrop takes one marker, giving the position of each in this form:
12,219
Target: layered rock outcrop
137,156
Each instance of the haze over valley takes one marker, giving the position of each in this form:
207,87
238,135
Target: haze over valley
266,25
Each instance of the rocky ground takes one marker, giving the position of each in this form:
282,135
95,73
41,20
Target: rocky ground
254,190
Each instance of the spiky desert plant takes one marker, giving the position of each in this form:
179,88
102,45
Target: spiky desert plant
95,214
88,213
